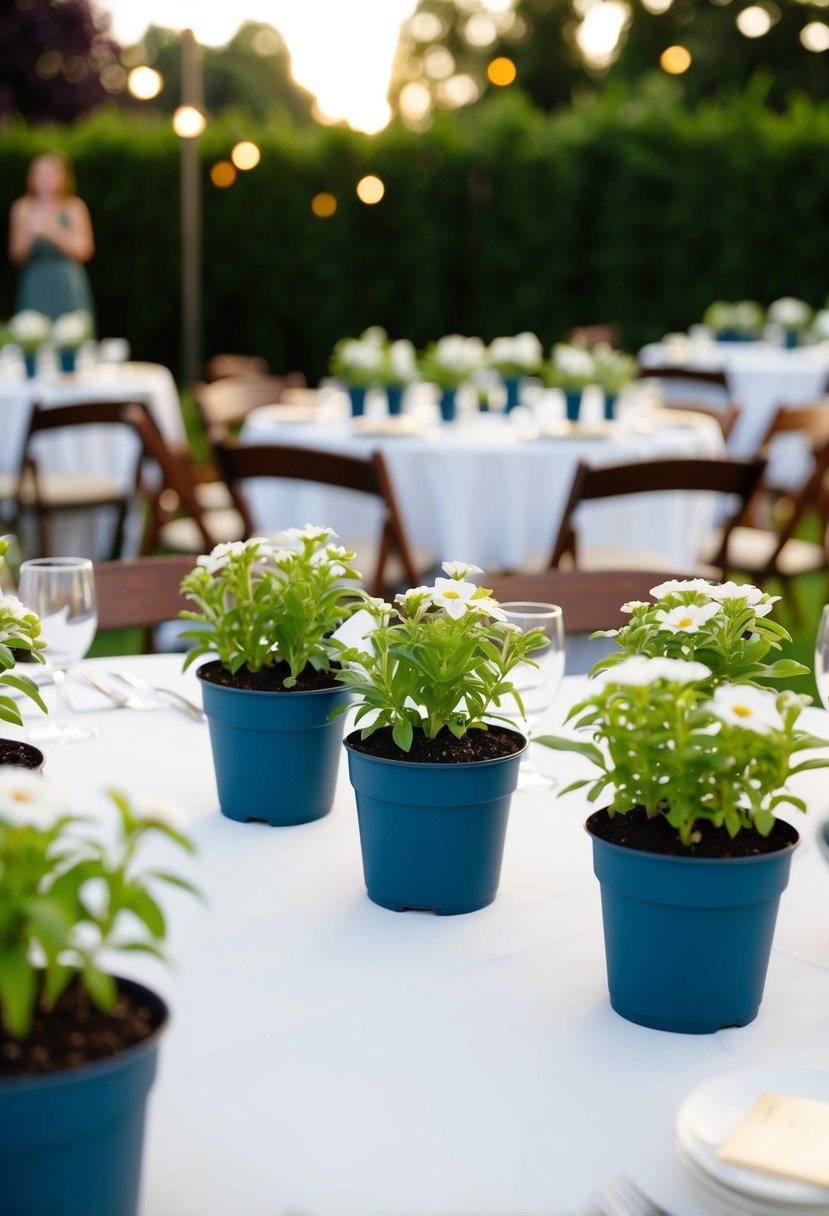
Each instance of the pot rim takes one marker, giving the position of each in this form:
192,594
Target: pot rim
693,861
95,1068
30,747
267,692
454,767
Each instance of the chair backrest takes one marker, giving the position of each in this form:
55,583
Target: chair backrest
140,593
737,478
134,415
228,402
812,423
725,415
694,375
222,366
238,463
589,600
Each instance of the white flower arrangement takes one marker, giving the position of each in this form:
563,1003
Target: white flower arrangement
359,361
30,330
521,355
791,314
400,363
744,318
452,360
71,330
571,367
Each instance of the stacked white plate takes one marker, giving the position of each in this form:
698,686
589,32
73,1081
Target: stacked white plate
710,1114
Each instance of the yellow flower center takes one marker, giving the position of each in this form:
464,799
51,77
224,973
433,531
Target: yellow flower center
741,711
451,595
685,621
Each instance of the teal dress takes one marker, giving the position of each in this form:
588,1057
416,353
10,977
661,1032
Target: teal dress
52,283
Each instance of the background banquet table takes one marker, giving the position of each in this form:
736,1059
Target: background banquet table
110,450
489,489
761,378
331,1058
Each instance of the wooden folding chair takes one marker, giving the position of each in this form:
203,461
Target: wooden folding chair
227,402
725,416
593,335
238,463
738,478
222,366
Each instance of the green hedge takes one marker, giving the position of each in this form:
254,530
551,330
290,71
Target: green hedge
496,220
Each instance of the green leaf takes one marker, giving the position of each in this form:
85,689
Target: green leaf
18,986
147,910
562,744
100,986
402,733
174,880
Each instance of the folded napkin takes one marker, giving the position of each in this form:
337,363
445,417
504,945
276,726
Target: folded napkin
785,1136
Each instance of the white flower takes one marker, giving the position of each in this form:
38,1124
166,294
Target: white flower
220,555
674,585
821,323
632,605
402,360
742,705
454,596
71,329
753,596
152,808
311,532
638,671
458,354
377,607
523,351
29,327
460,570
574,361
790,313
687,618
375,336
14,607
94,895
361,355
26,800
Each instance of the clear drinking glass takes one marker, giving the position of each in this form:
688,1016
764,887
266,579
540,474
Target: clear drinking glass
537,686
822,657
61,590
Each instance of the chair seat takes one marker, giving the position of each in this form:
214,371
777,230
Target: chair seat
629,558
183,535
65,490
751,550
213,496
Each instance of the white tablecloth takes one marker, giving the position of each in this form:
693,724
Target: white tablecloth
761,377
490,490
331,1058
107,450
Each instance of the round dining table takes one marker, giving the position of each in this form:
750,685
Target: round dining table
489,488
327,1057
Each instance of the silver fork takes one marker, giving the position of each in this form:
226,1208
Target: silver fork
116,696
178,701
622,1197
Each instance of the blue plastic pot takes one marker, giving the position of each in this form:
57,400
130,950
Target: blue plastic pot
447,404
572,404
513,386
687,939
394,395
357,397
432,835
31,365
610,400
792,339
71,1142
67,360
735,335
276,754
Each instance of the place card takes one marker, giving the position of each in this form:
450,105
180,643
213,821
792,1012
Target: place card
785,1136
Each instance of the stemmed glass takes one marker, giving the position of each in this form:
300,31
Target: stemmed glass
61,590
537,686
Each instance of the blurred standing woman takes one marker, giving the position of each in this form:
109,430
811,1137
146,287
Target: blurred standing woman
50,238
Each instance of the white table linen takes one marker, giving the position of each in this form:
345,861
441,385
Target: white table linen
490,490
107,450
331,1058
761,378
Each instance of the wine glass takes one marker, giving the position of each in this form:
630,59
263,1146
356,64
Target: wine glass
61,590
537,686
822,657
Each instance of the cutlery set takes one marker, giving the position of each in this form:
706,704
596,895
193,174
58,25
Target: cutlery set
144,696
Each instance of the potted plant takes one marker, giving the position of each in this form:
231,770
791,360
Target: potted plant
614,370
433,774
571,369
734,322
792,316
693,758
30,330
397,370
514,358
19,635
449,362
78,1046
358,362
266,614
69,332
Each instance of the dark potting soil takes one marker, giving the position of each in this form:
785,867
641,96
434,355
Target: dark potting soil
21,754
76,1032
634,830
271,679
492,744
